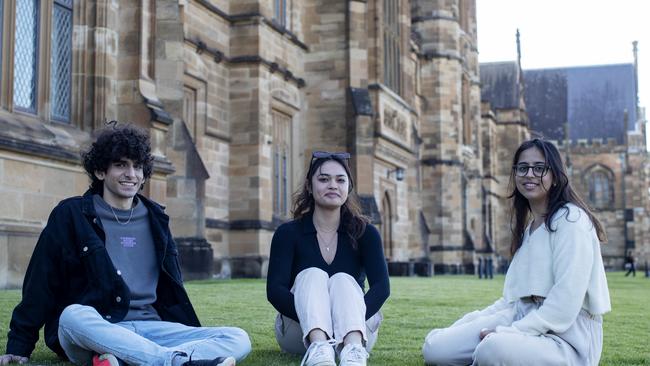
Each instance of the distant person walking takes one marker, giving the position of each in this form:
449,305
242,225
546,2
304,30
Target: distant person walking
555,289
630,264
490,268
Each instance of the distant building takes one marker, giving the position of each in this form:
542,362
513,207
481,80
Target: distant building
236,94
591,113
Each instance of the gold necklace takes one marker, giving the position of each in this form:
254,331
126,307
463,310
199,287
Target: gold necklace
321,237
326,243
118,220
321,229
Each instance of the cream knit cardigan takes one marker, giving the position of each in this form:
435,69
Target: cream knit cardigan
564,266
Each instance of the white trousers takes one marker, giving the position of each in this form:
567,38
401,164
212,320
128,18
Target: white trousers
334,305
580,345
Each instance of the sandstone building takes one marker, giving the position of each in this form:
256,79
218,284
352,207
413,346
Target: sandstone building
592,114
603,139
236,94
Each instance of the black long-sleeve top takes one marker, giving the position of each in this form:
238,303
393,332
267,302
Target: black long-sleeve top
295,247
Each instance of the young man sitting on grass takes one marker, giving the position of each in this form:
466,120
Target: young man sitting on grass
104,277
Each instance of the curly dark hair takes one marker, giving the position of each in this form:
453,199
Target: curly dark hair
113,143
353,220
559,194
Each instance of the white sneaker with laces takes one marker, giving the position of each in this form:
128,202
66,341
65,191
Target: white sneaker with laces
353,355
320,354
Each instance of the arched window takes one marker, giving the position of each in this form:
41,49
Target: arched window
600,189
387,226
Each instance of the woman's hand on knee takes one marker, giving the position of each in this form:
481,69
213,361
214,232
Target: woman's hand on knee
484,332
7,359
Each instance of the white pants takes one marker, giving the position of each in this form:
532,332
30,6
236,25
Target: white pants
580,345
334,305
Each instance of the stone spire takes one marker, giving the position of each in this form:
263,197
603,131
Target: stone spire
520,73
636,77
518,49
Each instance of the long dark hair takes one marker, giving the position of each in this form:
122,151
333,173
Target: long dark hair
353,221
559,194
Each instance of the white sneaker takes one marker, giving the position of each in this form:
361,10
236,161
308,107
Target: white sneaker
353,355
320,354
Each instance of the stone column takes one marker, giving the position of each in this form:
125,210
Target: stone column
326,72
361,127
441,124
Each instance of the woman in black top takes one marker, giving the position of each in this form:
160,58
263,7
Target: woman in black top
317,268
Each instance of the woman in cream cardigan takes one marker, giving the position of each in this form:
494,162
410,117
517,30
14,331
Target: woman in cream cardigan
555,290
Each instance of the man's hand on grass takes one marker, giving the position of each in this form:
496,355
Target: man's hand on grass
7,359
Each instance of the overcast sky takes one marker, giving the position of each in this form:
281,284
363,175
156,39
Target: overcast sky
560,33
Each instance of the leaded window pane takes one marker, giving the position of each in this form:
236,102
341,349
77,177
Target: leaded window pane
61,60
281,11
26,54
1,26
284,12
66,3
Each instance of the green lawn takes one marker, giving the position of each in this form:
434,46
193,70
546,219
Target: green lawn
415,306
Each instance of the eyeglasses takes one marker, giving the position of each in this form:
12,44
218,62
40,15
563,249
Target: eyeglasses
539,170
327,154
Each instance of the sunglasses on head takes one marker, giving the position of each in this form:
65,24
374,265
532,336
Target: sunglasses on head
327,154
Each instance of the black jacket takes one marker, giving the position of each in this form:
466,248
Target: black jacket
70,265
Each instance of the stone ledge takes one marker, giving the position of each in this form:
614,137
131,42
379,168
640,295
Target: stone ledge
252,16
219,56
23,227
243,224
195,256
249,266
38,138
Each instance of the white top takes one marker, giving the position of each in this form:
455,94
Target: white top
565,267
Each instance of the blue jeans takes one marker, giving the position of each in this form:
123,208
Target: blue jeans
83,332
